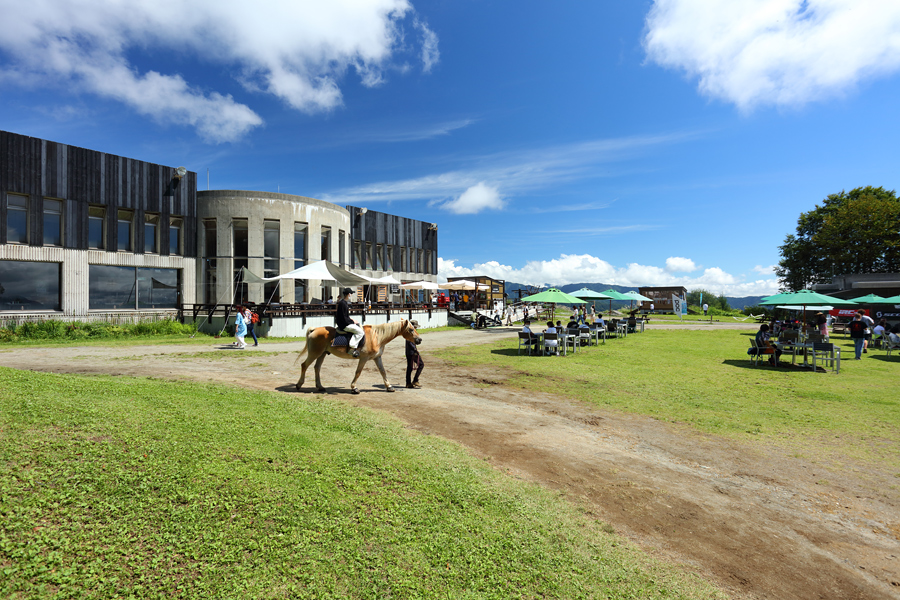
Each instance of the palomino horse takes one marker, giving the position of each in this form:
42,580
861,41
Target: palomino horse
318,346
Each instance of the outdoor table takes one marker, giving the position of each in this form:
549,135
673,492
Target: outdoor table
793,348
564,340
622,329
560,340
596,334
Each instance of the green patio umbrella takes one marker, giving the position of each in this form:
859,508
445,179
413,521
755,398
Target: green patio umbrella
637,296
554,296
891,300
805,298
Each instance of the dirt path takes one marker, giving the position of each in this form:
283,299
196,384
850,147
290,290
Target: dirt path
752,519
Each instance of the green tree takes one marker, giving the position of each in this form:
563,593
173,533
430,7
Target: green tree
849,233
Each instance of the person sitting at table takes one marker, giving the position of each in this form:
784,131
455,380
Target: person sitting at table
533,339
764,344
558,325
552,343
573,324
599,323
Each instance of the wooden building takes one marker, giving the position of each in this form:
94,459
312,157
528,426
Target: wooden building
661,297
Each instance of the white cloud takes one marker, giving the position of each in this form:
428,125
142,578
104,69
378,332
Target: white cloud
509,172
677,264
584,268
295,50
430,53
778,52
477,198
770,270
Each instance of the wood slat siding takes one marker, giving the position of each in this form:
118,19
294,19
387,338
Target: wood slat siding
382,228
41,168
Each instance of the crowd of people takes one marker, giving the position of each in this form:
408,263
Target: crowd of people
862,331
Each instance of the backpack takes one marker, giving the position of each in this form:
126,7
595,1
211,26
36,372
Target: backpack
254,318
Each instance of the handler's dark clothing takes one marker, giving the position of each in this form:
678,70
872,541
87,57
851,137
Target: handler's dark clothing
342,315
413,359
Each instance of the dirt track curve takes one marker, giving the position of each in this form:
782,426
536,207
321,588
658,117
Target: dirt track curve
751,519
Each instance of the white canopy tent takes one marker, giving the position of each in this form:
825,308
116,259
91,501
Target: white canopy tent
322,270
420,285
459,285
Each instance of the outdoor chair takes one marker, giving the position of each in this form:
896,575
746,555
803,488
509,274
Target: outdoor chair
889,346
827,352
571,337
758,353
551,348
528,341
817,338
584,336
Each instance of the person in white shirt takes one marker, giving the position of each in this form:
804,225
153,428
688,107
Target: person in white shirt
552,343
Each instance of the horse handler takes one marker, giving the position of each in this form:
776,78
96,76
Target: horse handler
413,361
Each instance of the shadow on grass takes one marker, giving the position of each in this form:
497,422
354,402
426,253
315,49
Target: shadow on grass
764,365
881,357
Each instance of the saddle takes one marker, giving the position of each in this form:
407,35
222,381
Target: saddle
342,340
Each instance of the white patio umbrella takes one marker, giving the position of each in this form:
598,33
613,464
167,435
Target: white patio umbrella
420,285
461,284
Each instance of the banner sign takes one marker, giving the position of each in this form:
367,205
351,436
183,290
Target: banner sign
677,306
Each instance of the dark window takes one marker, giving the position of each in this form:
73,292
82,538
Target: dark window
16,219
358,255
379,252
175,224
29,285
151,232
299,285
127,288
326,244
241,252
210,253
97,227
342,248
53,233
299,245
370,256
389,259
123,230
271,253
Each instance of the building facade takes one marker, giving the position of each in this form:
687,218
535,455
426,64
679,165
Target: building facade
85,232
90,235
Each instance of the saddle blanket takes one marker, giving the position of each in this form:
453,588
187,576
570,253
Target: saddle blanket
342,340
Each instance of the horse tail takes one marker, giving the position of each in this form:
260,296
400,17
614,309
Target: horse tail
309,330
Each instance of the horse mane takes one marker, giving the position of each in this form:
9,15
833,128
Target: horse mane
388,331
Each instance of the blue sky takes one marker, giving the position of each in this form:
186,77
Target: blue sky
632,143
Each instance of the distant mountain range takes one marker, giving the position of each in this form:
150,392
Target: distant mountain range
737,303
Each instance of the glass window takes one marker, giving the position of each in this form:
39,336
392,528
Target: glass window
127,288
379,252
299,244
299,285
326,244
29,285
123,230
271,239
151,231
240,245
158,288
389,259
16,219
175,224
53,212
342,248
97,227
111,288
358,255
210,252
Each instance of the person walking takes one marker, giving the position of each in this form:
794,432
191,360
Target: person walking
343,322
251,319
240,327
413,361
870,323
858,334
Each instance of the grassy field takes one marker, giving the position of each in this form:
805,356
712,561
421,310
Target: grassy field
120,487
706,379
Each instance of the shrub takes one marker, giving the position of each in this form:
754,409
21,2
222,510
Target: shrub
77,330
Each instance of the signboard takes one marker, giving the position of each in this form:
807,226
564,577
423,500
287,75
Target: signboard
395,288
677,306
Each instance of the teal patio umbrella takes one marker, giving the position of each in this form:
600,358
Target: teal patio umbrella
871,299
614,295
553,296
586,294
636,296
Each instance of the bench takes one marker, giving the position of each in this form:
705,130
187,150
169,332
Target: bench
839,328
